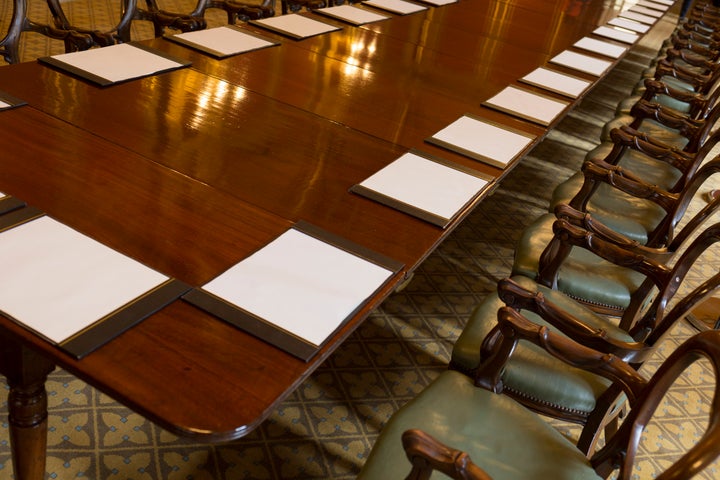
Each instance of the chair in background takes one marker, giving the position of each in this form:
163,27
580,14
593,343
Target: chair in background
120,32
456,428
19,23
294,6
540,382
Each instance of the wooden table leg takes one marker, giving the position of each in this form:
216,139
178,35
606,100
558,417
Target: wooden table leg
26,372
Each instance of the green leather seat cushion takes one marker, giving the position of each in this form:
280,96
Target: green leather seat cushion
654,172
583,275
531,370
502,437
633,217
650,127
625,105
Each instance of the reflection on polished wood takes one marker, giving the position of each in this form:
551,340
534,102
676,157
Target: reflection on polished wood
191,171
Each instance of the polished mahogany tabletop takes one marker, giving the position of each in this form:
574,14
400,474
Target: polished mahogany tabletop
192,170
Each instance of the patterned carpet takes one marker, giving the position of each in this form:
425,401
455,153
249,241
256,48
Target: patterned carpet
327,427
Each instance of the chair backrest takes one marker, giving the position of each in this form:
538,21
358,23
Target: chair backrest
655,321
622,447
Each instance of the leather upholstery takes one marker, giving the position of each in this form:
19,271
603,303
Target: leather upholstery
499,434
630,216
530,370
652,128
583,275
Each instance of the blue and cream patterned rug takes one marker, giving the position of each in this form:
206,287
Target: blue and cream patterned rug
326,428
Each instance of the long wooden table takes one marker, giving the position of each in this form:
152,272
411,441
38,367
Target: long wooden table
192,170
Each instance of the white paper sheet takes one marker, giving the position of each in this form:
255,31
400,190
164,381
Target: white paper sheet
2,195
598,46
556,82
118,62
646,11
627,24
224,40
652,5
4,105
615,34
58,281
396,6
527,105
484,139
300,284
425,184
351,14
297,25
439,3
638,17
583,63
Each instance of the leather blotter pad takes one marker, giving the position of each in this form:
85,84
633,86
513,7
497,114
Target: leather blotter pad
121,320
168,63
44,294
222,42
271,332
7,101
10,204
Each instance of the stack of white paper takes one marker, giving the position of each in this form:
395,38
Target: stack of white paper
117,63
556,82
351,14
482,141
646,11
598,46
653,5
631,25
300,284
400,7
580,62
297,26
614,34
527,105
223,41
426,184
57,281
638,17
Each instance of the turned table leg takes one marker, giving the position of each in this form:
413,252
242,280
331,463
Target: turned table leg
26,372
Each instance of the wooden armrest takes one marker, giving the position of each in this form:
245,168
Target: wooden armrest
519,298
513,327
628,137
596,172
666,116
692,55
572,235
664,68
588,222
655,87
427,454
78,40
702,45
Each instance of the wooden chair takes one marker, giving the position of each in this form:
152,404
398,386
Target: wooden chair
20,23
537,380
294,6
130,11
456,428
543,255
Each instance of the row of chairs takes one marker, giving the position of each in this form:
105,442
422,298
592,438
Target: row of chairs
78,38
596,285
